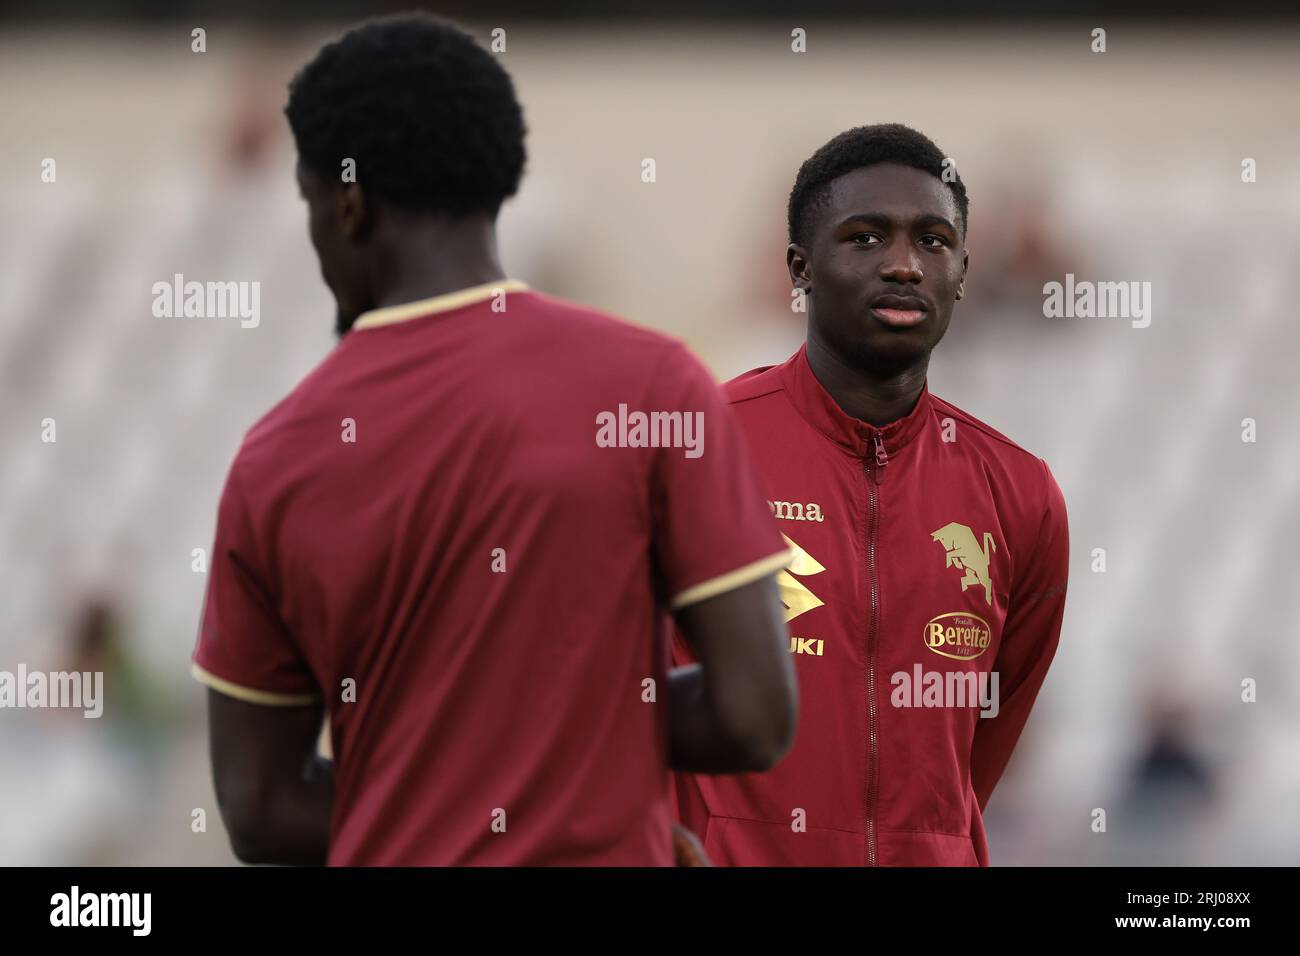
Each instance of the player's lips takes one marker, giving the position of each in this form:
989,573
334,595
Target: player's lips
900,311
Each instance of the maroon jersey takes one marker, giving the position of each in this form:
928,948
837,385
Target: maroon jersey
929,555
458,532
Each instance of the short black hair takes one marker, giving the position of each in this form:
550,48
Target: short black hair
866,146
429,116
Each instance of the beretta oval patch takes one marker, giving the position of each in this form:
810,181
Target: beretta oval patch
959,635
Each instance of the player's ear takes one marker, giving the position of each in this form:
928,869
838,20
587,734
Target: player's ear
799,266
353,210
965,264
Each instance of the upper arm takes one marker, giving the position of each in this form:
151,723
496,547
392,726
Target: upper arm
264,705
717,550
712,531
1029,641
244,649
256,750
275,796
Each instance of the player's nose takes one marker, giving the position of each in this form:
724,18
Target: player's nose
901,263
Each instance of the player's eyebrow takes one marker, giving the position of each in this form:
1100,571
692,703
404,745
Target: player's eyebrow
925,219
930,219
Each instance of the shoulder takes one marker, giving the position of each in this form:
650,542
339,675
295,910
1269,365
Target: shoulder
591,343
1000,454
755,384
990,442
572,318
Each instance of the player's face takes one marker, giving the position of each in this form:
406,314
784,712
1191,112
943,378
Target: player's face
886,264
329,223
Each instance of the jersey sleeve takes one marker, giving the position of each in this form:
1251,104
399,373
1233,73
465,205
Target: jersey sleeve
244,648
1029,640
713,530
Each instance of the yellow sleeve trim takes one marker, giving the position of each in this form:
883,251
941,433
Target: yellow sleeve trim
249,694
439,303
732,579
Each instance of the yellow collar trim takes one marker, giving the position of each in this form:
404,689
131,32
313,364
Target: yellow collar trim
439,303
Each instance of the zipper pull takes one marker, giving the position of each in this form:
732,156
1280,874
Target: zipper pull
882,459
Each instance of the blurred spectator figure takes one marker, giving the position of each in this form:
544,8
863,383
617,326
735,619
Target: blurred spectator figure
1017,243
83,782
254,125
136,713
1169,797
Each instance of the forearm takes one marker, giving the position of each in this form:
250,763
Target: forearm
292,826
698,741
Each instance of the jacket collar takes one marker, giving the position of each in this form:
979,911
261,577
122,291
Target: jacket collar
816,405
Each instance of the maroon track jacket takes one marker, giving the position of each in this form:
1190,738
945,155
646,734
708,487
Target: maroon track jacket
929,555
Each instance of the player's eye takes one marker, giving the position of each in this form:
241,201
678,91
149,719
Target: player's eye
865,239
933,241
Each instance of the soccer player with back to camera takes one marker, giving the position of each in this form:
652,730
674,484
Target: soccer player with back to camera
927,587
426,541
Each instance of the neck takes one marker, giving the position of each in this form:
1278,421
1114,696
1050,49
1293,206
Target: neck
876,399
427,258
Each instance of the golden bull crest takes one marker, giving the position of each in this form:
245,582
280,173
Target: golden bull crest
964,552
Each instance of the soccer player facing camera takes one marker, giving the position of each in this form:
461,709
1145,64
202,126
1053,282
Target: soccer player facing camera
927,587
425,541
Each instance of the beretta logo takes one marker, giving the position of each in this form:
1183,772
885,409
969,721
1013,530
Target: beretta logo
959,635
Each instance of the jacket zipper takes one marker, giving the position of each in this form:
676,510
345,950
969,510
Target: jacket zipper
876,474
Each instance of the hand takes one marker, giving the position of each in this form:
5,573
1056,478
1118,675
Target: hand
687,848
